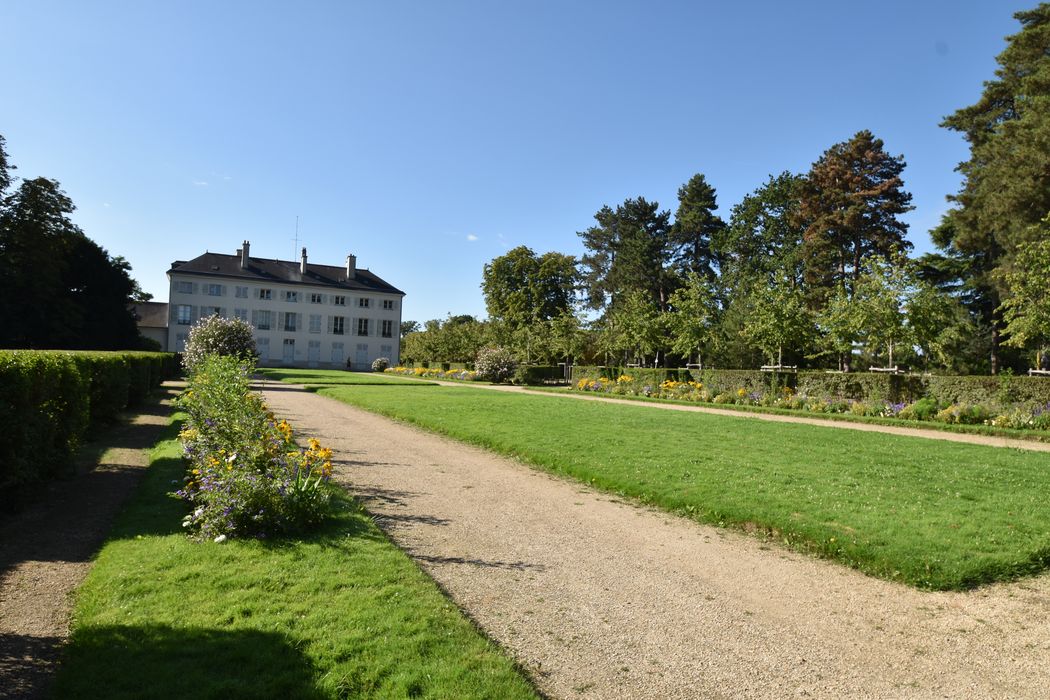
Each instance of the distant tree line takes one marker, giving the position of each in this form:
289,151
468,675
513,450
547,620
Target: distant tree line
810,269
58,288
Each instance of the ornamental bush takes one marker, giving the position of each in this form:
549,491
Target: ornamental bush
495,364
380,364
246,476
216,335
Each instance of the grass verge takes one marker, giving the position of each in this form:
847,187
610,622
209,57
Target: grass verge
932,514
326,377
989,430
342,613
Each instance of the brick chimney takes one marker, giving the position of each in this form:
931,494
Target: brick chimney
244,255
351,267
302,263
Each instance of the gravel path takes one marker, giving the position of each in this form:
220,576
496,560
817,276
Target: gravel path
600,599
47,549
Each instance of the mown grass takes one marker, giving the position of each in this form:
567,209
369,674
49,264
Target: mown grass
989,430
932,514
322,377
342,613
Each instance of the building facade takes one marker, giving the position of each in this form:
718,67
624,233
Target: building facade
304,314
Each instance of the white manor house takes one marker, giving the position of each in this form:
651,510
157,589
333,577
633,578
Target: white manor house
304,314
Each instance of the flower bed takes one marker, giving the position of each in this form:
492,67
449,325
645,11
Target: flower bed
1018,417
462,375
246,475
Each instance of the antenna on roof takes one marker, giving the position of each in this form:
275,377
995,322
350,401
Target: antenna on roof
295,250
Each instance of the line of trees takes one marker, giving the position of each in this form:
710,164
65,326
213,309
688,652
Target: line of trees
58,288
810,269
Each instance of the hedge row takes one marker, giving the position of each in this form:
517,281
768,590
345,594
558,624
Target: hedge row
1002,391
50,399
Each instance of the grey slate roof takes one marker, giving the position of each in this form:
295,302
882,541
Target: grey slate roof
263,270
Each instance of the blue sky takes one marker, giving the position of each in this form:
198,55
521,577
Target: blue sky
429,137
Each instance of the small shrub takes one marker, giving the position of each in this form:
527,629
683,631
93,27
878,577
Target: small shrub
495,364
923,409
380,364
216,335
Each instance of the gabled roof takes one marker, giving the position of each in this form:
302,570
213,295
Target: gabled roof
282,271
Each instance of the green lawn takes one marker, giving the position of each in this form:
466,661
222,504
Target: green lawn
933,514
321,377
340,614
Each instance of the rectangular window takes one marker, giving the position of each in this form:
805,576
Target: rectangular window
212,311
291,322
262,320
266,294
316,298
388,304
184,287
315,323
215,290
291,296
337,325
183,314
363,302
242,292
339,301
388,329
263,346
242,314
362,326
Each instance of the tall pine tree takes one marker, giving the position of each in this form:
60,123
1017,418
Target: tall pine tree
851,200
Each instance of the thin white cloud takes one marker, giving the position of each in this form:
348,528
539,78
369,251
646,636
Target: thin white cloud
471,237
200,183
105,204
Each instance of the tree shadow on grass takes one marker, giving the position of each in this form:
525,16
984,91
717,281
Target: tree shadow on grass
159,661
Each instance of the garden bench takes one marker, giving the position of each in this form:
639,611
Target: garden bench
779,368
1039,373
890,370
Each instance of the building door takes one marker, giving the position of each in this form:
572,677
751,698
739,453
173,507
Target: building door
338,356
313,352
289,351
361,358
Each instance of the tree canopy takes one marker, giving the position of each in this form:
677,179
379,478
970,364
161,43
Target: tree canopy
58,288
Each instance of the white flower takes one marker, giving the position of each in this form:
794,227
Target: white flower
220,539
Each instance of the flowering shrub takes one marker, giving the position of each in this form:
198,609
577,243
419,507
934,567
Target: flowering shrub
246,476
380,364
496,364
216,335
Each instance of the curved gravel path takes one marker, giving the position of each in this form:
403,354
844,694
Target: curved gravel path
600,599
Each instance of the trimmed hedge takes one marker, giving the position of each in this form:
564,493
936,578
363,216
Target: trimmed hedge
1003,391
50,399
538,374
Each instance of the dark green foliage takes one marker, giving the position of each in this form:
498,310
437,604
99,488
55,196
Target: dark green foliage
45,411
521,287
850,201
628,251
695,228
538,374
58,288
49,401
